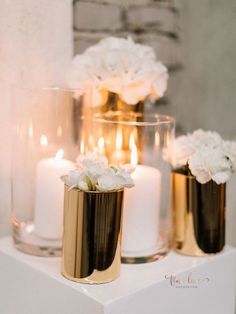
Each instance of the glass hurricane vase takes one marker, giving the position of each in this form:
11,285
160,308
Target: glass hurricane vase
46,139
138,143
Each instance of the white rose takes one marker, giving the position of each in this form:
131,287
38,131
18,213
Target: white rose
73,177
76,179
107,182
93,165
83,185
114,180
94,173
124,180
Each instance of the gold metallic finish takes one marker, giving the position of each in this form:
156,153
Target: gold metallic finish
92,235
198,215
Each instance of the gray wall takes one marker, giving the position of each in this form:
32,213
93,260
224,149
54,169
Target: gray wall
195,39
208,91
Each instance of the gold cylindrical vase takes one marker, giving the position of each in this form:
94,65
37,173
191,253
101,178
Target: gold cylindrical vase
198,215
92,235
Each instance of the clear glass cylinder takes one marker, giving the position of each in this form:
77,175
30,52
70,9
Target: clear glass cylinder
46,140
139,143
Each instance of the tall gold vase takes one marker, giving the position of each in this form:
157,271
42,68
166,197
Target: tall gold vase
92,234
198,215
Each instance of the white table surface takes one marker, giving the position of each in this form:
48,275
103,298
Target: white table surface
141,288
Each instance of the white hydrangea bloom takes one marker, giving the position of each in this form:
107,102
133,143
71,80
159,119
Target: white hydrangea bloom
181,149
230,152
207,164
222,176
205,138
123,45
121,66
208,156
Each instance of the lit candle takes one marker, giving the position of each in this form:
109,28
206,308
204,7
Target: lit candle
49,195
119,155
101,145
44,140
141,210
82,147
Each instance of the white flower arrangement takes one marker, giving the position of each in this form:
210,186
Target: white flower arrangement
120,66
94,174
207,156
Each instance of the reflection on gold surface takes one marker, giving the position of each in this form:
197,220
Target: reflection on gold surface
92,234
198,215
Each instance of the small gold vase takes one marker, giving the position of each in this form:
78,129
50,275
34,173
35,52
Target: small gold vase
92,236
113,102
198,215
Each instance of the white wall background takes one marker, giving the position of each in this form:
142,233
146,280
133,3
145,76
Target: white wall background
35,49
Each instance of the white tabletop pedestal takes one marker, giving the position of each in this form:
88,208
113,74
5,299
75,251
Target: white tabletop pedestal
33,285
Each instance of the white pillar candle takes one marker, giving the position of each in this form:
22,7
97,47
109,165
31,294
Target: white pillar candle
141,212
49,196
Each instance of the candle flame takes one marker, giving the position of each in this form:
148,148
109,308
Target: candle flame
134,156
157,139
119,139
131,141
59,154
82,147
44,140
91,142
101,144
167,140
